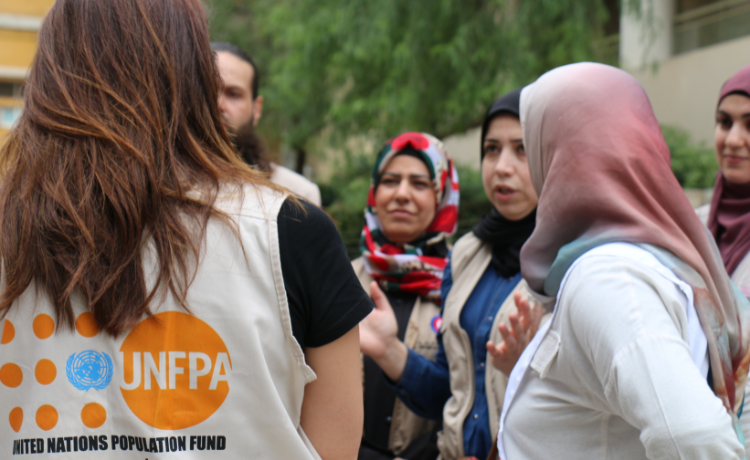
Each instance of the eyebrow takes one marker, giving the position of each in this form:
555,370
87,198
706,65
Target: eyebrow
744,115
514,141
411,176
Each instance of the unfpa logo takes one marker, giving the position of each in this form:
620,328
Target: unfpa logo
176,371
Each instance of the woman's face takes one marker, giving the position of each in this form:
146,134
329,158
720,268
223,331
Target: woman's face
505,171
732,138
405,199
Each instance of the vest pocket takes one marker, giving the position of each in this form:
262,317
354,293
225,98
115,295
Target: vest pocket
546,353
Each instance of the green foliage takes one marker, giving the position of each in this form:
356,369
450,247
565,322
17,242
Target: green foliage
346,193
345,196
338,69
693,164
379,67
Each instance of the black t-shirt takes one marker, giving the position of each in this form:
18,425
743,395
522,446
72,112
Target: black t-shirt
326,300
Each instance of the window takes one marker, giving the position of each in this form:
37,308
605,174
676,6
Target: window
700,23
687,5
9,116
9,89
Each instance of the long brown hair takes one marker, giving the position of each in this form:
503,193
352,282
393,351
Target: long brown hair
121,124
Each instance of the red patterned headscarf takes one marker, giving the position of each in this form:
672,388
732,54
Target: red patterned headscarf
416,267
729,219
600,165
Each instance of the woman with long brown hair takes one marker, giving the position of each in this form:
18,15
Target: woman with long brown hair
149,295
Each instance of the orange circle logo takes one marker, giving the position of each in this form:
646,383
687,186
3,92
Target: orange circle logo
11,375
86,325
16,419
46,417
93,415
44,326
9,332
175,369
45,371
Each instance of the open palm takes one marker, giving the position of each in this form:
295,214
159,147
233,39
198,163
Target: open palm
379,328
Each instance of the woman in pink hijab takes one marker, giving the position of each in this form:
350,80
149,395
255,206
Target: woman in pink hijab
646,353
728,217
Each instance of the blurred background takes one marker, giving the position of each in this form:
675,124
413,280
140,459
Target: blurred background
340,77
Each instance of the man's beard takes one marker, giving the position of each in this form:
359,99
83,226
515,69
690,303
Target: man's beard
250,147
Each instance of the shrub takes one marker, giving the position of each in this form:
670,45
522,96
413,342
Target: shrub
693,164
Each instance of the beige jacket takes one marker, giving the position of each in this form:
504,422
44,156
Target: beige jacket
406,426
469,260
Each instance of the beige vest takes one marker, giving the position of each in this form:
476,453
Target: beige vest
224,382
469,260
406,426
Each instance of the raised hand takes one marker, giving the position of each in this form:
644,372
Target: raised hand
523,326
378,336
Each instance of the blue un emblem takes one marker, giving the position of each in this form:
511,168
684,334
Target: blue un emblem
89,369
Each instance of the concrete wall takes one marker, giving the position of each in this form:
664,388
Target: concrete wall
684,88
465,148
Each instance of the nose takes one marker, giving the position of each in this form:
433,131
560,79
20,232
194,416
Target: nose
505,164
735,138
403,192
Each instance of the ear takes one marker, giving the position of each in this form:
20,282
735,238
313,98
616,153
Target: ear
257,110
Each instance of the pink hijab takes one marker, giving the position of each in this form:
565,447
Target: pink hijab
602,171
729,220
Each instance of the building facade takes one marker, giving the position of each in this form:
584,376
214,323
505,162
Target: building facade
19,25
682,51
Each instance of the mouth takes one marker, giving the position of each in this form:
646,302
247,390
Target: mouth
504,193
401,213
735,159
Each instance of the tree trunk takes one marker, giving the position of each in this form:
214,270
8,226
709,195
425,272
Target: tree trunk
301,155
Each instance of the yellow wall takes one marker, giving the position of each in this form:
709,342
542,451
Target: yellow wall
26,7
17,48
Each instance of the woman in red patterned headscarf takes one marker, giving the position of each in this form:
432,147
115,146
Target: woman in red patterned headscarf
412,209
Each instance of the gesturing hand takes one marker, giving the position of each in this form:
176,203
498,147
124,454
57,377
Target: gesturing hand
379,327
378,336
523,327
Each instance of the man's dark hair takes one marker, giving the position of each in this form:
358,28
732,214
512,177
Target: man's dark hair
239,53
